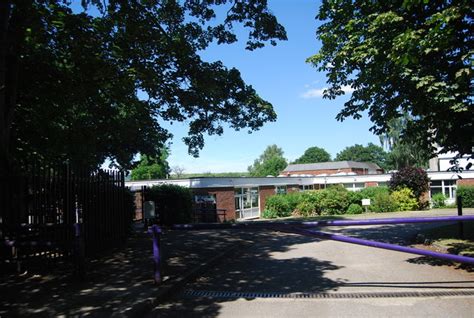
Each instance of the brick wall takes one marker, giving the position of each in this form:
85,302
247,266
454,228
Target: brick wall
138,206
371,184
224,200
264,193
465,182
292,188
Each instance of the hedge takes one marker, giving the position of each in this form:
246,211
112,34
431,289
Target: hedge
467,194
173,203
337,200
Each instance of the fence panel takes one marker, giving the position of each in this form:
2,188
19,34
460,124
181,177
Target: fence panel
38,210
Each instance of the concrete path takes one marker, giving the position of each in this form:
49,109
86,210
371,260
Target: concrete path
357,281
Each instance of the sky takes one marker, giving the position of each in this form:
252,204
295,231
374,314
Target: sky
281,76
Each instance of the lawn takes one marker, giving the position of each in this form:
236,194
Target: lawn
447,237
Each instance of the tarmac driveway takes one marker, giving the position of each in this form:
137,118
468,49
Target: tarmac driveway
286,275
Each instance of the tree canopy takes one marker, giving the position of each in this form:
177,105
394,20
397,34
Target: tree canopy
271,162
403,152
402,56
369,153
151,168
313,155
85,84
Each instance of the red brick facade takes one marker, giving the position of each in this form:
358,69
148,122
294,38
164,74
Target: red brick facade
465,182
371,184
292,188
264,193
224,199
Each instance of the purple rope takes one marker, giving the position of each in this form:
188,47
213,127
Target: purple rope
393,247
269,224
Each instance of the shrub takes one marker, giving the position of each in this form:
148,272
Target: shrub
354,208
467,194
372,192
415,179
293,198
355,197
173,203
277,206
306,208
404,199
269,214
309,203
383,202
334,200
438,200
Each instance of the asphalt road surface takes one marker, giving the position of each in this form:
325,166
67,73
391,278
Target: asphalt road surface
286,275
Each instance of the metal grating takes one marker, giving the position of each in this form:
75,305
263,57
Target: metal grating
250,295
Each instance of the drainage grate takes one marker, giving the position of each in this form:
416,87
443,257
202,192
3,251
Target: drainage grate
247,295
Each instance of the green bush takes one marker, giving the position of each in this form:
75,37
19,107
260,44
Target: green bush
173,203
269,214
383,202
467,194
354,208
293,199
277,206
309,204
404,199
355,197
334,200
306,208
372,192
438,200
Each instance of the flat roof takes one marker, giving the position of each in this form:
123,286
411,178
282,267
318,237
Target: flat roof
223,182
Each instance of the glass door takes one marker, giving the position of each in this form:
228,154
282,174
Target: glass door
247,203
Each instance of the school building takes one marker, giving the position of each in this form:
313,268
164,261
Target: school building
244,197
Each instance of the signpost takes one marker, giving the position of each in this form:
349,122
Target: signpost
365,203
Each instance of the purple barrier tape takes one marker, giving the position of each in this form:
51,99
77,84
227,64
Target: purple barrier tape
393,247
267,224
155,231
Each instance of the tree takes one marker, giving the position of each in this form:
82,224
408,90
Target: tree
415,179
178,171
93,83
271,162
370,153
151,168
403,152
313,155
402,56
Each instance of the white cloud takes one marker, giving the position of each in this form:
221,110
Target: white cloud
319,92
313,93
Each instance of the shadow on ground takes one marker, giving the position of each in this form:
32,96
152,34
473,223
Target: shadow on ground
115,282
260,267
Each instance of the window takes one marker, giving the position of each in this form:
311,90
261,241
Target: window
354,186
246,202
446,187
280,189
306,187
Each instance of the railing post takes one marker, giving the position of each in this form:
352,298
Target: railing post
155,231
460,224
79,252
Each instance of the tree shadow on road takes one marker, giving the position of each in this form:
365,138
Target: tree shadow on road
265,265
